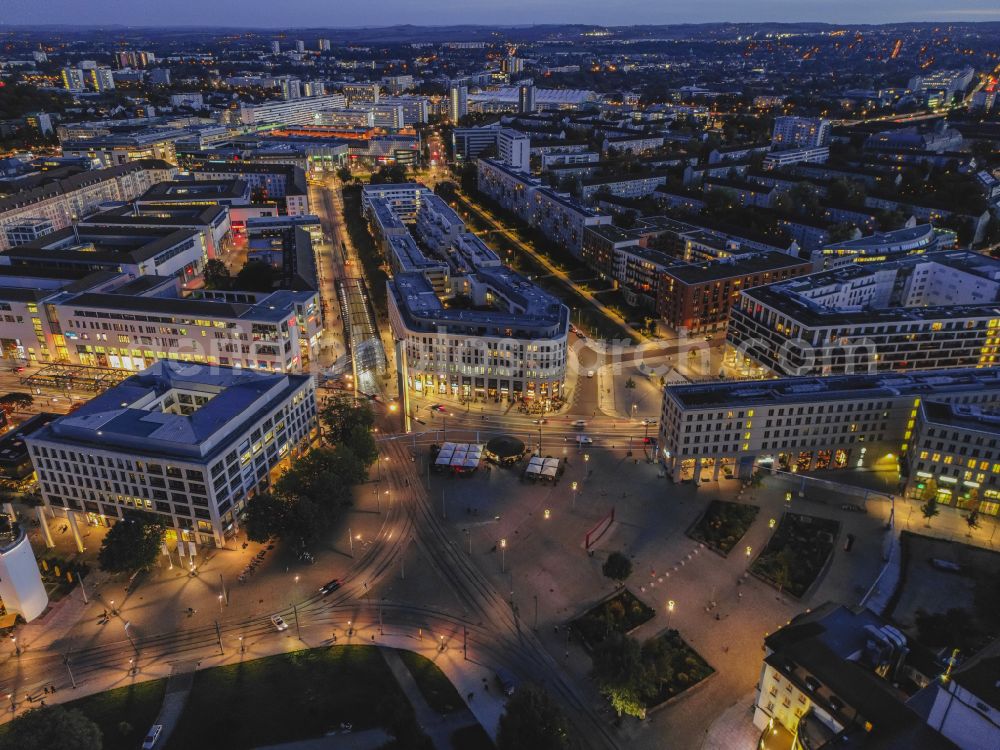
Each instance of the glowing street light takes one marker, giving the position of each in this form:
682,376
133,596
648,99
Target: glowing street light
771,523
574,485
503,549
749,550
670,611
546,513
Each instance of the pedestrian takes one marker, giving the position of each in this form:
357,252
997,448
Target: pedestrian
718,616
739,595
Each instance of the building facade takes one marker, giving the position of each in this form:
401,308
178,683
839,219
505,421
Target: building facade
185,445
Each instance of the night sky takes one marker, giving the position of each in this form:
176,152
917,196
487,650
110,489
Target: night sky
333,13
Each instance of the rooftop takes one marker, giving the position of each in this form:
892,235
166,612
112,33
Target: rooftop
787,391
137,414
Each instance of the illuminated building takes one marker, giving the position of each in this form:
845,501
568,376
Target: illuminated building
187,445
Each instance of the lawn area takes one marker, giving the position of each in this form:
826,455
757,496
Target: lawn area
723,524
436,688
288,697
675,666
797,552
619,614
472,737
138,705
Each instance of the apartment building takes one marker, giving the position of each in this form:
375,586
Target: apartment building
64,201
697,297
834,676
290,112
920,312
466,326
186,446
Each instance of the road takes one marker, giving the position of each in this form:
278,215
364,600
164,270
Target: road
511,235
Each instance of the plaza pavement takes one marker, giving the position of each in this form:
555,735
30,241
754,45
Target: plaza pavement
545,565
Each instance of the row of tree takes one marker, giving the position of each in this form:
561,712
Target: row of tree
301,507
312,495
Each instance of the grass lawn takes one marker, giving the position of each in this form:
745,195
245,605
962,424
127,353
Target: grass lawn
288,697
472,737
796,553
675,665
137,704
619,614
723,524
436,688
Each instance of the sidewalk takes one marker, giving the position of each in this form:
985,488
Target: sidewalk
438,727
734,729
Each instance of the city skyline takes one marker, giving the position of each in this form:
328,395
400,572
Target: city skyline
315,14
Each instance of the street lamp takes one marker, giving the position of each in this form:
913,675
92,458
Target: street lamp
17,648
220,603
243,647
771,523
574,495
670,611
503,549
749,550
547,513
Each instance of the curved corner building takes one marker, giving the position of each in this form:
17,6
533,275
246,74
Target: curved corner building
464,324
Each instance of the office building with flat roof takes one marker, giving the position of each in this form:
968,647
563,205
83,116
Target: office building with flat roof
224,192
187,445
283,183
806,423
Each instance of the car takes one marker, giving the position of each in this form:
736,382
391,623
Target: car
17,369
946,565
584,439
439,407
590,373
329,587
853,507
279,623
540,421
649,421
506,680
580,424
649,441
152,736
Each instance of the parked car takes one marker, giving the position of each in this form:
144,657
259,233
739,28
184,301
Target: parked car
507,682
279,623
152,736
590,373
330,587
946,565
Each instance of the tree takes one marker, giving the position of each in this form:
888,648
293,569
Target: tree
930,509
622,676
266,516
217,275
532,719
55,726
11,402
617,566
341,414
256,276
131,545
344,174
630,384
